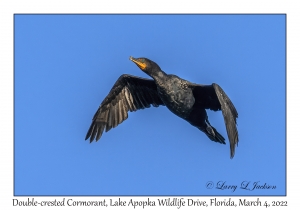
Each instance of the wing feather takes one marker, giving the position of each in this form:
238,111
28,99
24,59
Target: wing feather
135,101
109,120
129,93
230,114
127,99
213,97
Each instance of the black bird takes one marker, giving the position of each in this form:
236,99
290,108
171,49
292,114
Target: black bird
185,99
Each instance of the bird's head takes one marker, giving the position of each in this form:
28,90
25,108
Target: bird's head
145,64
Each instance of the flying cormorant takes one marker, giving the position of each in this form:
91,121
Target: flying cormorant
185,99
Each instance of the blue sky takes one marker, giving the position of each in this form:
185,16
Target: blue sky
64,66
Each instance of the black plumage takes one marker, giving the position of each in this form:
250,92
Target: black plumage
185,99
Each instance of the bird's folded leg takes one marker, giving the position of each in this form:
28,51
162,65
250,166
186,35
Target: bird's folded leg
210,130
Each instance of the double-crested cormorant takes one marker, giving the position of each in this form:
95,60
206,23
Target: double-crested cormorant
185,99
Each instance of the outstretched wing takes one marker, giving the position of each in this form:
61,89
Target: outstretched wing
129,93
213,97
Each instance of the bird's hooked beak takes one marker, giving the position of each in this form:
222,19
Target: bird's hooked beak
140,64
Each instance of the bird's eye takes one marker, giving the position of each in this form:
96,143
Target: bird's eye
142,60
